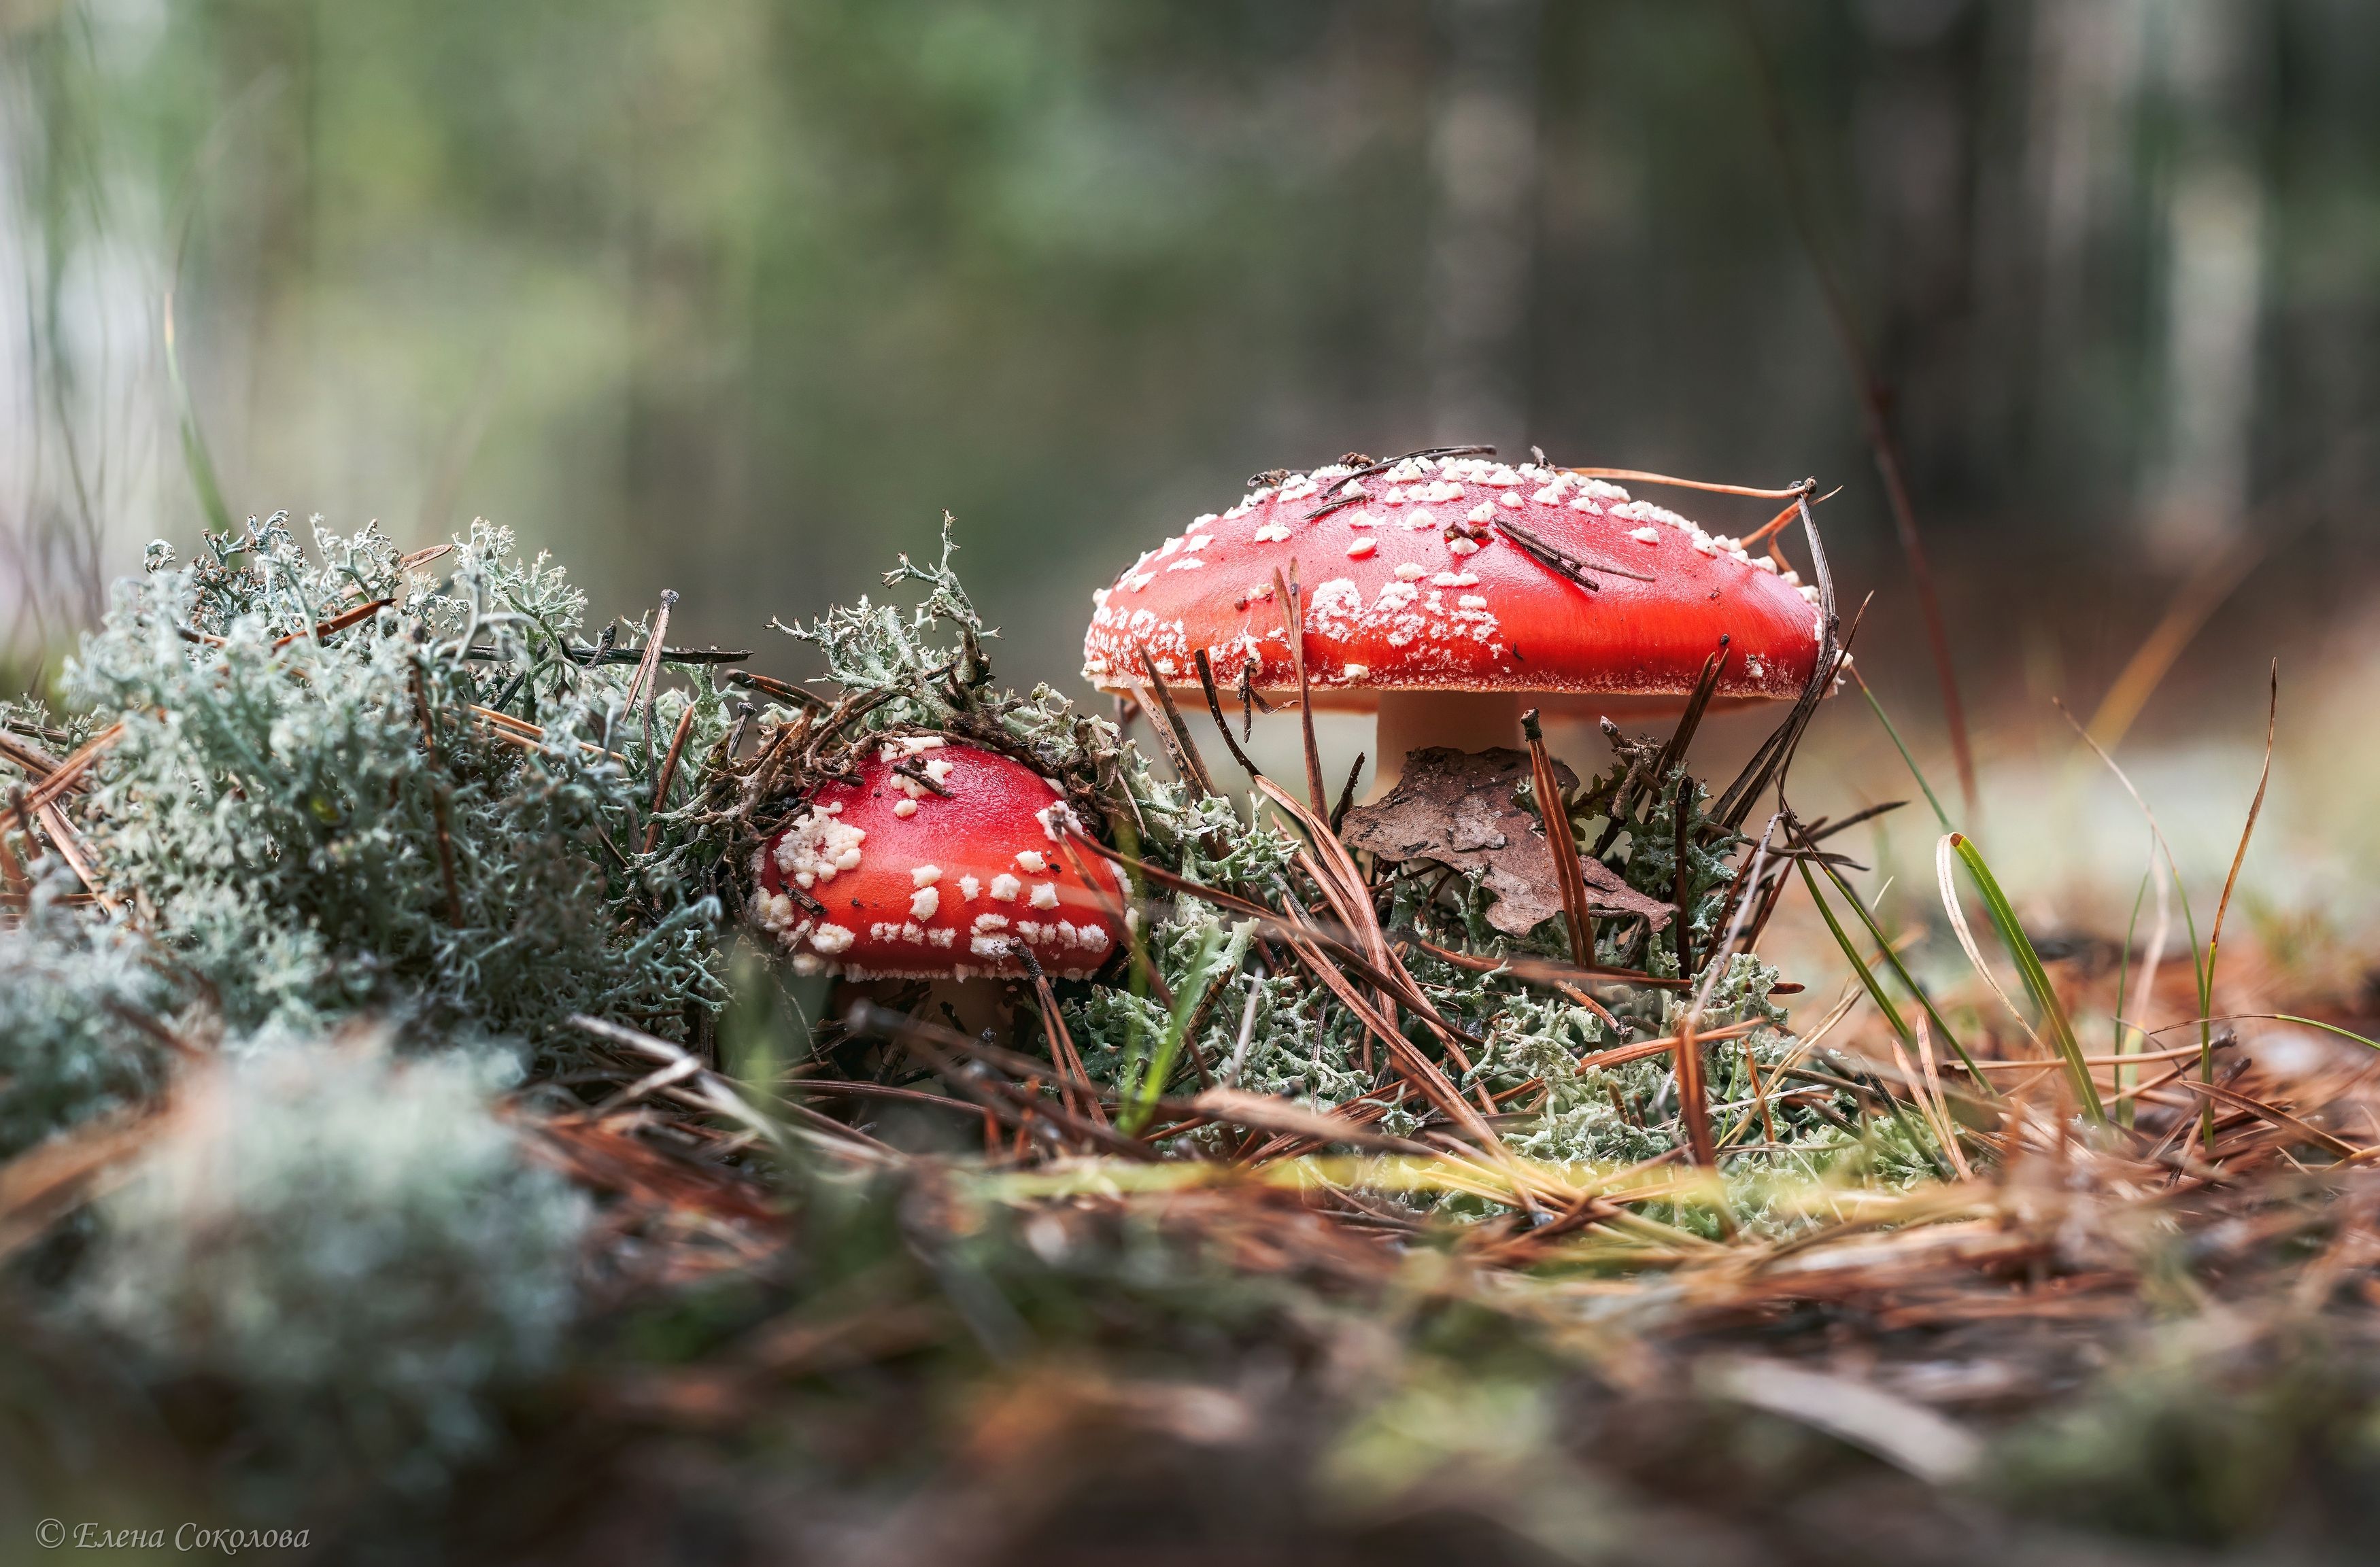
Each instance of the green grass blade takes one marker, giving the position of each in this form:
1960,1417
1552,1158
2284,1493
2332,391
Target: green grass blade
1908,981
2328,1028
2037,977
2123,981
2223,908
2124,965
1884,1006
195,456
1203,972
1859,965
1915,770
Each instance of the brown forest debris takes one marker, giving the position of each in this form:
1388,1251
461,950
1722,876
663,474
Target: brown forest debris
1463,810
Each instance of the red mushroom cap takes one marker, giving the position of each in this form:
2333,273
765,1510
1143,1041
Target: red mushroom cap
918,884
1409,585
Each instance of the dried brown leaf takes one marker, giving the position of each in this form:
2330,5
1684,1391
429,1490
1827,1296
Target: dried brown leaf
1463,808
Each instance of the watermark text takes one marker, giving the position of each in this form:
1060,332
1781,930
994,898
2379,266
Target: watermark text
56,1534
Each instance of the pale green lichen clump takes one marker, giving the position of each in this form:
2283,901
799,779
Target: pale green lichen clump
70,1051
316,826
356,1239
315,835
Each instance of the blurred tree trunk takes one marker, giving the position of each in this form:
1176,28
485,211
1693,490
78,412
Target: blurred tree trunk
2214,276
1483,152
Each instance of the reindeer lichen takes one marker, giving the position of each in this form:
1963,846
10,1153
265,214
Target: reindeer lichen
925,667
72,995
358,1242
319,822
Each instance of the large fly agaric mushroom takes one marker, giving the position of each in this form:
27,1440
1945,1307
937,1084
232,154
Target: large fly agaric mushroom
1444,593
936,860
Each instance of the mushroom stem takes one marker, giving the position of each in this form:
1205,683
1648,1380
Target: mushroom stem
979,1004
1413,721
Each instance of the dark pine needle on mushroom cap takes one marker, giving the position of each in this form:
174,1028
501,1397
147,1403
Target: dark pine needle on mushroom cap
1444,590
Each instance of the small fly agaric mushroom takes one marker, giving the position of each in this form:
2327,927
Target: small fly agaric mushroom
1442,592
939,860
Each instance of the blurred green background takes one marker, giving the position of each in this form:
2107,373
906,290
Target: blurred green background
736,297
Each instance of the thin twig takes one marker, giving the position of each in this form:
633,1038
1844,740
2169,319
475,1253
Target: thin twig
1347,794
1172,730
1684,878
1215,709
792,696
1561,562
1871,400
1638,476
1536,970
12,873
1770,762
1292,614
668,776
1062,1051
909,770
712,1092
648,676
1673,753
2192,605
1568,879
63,776
1692,1099
319,630
934,1044
70,846
2215,938
36,762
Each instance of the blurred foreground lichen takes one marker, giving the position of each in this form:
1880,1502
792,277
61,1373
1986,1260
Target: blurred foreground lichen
359,1244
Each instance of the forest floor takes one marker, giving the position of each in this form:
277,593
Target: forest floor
2063,1253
